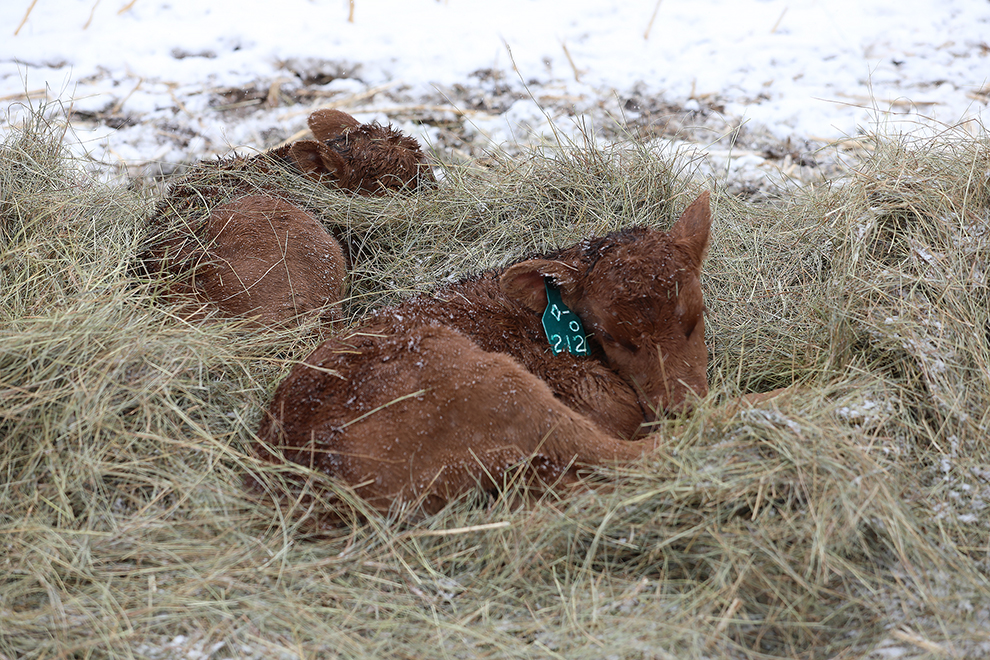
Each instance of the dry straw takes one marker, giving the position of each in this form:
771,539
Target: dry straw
845,517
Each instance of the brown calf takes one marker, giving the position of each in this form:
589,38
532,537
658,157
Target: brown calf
443,394
366,159
262,259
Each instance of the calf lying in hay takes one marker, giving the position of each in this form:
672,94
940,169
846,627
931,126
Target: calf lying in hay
269,239
445,393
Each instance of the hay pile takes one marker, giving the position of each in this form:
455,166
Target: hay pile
848,518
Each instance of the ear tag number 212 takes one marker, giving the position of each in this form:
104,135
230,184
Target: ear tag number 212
563,327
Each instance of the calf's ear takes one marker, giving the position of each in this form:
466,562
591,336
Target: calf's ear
316,159
523,281
328,124
693,228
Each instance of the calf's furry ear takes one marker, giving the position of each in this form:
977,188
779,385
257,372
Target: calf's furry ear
316,159
693,228
523,281
329,124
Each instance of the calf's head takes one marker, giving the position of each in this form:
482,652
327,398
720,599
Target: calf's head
365,158
638,293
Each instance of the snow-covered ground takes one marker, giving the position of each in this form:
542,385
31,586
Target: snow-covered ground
154,83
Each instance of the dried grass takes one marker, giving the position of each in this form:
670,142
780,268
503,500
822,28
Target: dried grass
845,518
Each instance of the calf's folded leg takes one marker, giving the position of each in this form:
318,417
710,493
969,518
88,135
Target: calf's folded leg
427,415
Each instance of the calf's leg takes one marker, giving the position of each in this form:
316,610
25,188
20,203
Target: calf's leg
425,416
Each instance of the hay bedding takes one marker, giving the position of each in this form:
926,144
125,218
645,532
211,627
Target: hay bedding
848,518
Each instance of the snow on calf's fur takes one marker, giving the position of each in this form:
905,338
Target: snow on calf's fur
266,260
443,393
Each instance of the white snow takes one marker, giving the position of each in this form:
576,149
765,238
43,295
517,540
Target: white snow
818,69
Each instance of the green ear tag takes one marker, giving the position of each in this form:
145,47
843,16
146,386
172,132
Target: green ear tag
563,327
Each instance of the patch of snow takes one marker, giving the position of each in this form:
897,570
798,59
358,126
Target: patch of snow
168,80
